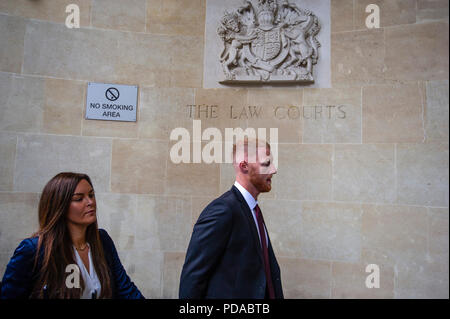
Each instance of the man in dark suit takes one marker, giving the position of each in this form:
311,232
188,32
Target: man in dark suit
230,254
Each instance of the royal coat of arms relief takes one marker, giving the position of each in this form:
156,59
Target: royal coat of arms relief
269,41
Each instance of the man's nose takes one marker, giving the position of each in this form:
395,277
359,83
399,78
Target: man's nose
273,169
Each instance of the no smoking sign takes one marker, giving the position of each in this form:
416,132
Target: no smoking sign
112,94
111,102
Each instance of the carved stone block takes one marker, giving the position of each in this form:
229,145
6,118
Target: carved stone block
267,42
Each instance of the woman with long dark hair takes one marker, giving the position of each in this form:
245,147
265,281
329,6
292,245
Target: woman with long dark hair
68,257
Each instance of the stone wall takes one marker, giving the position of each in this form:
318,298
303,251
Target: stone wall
363,184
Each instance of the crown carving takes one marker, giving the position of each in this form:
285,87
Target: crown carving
265,13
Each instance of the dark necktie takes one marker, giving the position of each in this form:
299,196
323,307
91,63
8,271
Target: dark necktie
265,251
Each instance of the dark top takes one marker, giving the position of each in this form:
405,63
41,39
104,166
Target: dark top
19,277
224,258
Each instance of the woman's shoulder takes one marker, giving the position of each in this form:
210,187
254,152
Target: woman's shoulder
105,238
25,251
28,245
108,245
18,277
103,234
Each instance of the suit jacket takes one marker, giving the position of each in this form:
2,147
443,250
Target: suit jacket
19,277
224,258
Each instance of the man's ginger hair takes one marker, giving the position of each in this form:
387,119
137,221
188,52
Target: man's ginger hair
246,149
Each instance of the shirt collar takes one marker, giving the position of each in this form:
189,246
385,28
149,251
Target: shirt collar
251,202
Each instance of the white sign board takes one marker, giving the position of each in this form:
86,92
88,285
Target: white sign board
111,102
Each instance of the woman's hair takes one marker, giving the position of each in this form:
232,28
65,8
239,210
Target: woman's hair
55,249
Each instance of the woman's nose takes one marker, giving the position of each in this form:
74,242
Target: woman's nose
90,201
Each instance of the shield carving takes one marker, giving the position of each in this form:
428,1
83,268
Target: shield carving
267,44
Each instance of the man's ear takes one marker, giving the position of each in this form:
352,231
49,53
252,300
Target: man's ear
243,166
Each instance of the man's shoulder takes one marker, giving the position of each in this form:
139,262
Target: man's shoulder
229,198
220,211
226,203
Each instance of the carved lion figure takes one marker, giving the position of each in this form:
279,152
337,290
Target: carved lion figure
230,31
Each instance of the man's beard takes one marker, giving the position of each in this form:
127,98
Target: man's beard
259,181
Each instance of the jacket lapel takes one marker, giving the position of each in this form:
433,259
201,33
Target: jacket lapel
251,222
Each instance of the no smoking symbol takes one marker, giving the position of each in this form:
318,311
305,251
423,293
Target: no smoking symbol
112,94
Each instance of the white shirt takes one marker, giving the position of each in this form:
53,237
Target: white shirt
251,202
91,281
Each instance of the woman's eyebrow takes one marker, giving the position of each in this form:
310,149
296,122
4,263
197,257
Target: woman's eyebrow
91,191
